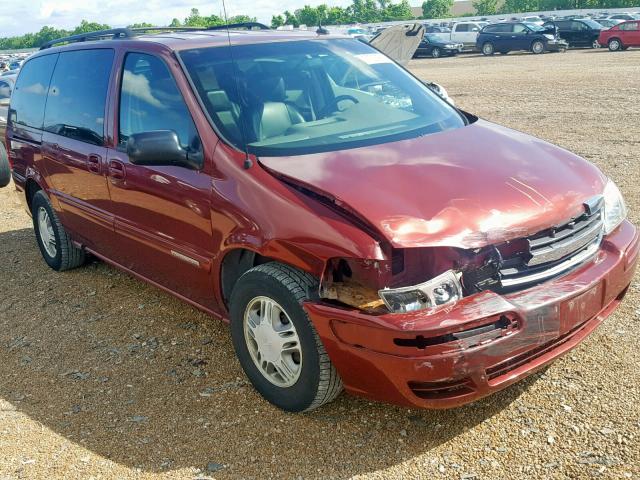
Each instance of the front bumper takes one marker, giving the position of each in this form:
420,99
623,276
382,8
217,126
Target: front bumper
483,343
557,45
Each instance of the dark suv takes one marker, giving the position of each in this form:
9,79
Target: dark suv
510,36
582,32
354,228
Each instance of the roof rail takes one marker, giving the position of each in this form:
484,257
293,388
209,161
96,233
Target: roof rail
240,26
165,29
84,37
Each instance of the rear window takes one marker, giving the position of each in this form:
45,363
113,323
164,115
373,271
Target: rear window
298,97
77,95
30,92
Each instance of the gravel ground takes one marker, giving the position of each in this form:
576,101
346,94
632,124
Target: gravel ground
102,376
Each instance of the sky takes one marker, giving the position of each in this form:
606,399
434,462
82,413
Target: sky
18,17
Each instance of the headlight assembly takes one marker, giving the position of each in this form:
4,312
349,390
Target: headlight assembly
615,210
441,290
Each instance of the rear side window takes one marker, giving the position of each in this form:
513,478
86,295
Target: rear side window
77,95
30,93
629,26
462,27
150,100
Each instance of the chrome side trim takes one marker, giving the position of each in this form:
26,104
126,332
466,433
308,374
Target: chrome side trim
184,258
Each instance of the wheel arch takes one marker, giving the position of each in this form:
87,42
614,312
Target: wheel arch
237,259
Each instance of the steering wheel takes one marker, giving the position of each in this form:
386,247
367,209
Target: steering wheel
332,106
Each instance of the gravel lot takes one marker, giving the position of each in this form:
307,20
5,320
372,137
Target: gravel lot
102,376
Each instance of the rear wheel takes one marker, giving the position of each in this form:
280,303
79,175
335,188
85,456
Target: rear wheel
436,52
54,243
488,49
275,341
537,47
615,45
5,170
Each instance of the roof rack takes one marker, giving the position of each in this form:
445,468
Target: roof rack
83,37
115,33
240,26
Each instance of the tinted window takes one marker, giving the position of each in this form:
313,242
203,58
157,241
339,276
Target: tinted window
502,28
462,28
563,25
5,90
150,100
27,104
629,26
77,95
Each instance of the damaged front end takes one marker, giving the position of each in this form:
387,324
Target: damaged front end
428,278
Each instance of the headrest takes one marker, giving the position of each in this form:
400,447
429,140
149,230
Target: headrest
219,101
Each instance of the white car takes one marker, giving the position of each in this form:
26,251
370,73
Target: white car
463,32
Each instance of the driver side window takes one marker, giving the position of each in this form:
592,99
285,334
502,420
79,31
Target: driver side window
150,100
519,28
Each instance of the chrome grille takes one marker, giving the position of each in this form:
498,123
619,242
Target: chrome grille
556,250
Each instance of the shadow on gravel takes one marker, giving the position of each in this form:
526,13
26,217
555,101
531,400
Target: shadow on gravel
133,375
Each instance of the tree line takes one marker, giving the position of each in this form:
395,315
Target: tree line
360,11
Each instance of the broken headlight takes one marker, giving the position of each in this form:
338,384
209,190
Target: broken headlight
615,210
443,289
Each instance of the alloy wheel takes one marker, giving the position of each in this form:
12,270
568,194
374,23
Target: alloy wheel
45,229
272,341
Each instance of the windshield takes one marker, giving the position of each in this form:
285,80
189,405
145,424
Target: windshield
297,97
535,27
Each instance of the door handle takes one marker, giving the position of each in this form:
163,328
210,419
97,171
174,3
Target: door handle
117,171
94,163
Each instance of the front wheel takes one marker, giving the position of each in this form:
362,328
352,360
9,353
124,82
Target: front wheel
436,52
537,47
275,341
54,242
615,45
488,49
5,169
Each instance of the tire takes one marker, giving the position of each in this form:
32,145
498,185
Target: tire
5,169
308,383
538,47
436,52
488,49
615,45
47,226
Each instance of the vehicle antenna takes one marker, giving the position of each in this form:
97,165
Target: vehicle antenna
248,163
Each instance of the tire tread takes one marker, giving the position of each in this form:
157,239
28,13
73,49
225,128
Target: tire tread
301,284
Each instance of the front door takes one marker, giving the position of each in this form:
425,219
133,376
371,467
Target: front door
73,144
162,213
520,37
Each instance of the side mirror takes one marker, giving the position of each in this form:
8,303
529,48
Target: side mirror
160,148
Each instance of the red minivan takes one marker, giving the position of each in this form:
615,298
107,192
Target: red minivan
353,228
622,36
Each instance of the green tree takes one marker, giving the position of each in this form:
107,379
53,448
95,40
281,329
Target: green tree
242,19
290,19
277,21
86,27
396,11
486,7
175,23
437,8
141,25
337,16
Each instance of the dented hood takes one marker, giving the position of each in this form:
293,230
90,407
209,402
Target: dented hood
467,188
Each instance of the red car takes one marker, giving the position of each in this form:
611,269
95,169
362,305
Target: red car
622,36
355,229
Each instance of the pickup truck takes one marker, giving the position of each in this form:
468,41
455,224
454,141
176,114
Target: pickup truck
462,32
